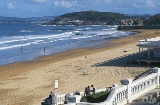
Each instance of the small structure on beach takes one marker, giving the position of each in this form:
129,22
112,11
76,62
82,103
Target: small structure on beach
149,50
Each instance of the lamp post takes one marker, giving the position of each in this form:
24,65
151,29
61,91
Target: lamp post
56,84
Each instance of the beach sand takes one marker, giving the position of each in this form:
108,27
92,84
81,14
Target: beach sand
30,82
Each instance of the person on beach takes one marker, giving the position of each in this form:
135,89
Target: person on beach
94,89
86,91
44,50
50,96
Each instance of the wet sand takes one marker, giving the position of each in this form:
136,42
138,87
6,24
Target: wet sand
30,82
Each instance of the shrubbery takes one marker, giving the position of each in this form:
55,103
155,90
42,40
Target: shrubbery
96,98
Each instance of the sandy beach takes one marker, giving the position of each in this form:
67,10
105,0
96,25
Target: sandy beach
30,82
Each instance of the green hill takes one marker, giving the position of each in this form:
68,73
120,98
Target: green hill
88,18
154,20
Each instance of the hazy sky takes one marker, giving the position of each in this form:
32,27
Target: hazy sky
38,8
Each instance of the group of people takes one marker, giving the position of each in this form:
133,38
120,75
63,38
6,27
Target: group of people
88,91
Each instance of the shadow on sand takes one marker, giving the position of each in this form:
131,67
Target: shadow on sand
126,61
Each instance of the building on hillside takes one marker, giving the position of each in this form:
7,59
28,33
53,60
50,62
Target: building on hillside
73,22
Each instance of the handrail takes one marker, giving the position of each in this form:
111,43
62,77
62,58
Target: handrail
111,98
138,81
128,91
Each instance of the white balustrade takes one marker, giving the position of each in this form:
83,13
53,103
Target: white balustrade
124,94
61,99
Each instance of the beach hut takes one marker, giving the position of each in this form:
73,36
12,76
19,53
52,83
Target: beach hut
149,50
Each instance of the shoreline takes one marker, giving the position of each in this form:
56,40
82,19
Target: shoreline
98,46
30,82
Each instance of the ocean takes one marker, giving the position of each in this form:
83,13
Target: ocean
26,41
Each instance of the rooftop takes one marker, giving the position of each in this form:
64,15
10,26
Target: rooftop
150,43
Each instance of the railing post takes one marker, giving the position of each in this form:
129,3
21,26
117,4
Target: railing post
158,73
127,82
54,99
157,70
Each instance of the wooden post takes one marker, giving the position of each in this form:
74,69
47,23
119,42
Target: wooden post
142,52
148,53
139,55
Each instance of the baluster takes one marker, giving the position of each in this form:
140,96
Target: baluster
118,98
148,83
115,99
123,94
136,89
143,85
133,90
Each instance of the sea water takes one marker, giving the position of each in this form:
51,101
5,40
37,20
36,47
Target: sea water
26,41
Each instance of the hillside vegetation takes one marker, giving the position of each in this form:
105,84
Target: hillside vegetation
154,20
103,18
88,18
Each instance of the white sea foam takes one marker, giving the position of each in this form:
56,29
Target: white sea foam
26,31
14,46
31,39
80,37
8,41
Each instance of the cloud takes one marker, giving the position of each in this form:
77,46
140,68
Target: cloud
39,1
108,1
150,3
56,3
136,5
9,6
65,4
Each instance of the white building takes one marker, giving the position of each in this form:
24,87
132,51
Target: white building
152,52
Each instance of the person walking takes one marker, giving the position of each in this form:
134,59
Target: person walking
94,89
88,91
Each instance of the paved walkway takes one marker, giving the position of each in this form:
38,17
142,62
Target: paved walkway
151,98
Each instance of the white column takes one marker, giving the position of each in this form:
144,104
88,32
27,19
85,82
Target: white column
158,73
156,70
127,82
55,95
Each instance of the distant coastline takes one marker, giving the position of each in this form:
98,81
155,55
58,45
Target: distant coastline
138,27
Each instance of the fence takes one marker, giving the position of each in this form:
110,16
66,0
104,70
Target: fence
120,95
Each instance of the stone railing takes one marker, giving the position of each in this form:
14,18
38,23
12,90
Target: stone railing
61,98
120,95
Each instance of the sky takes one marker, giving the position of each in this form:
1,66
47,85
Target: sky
40,8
